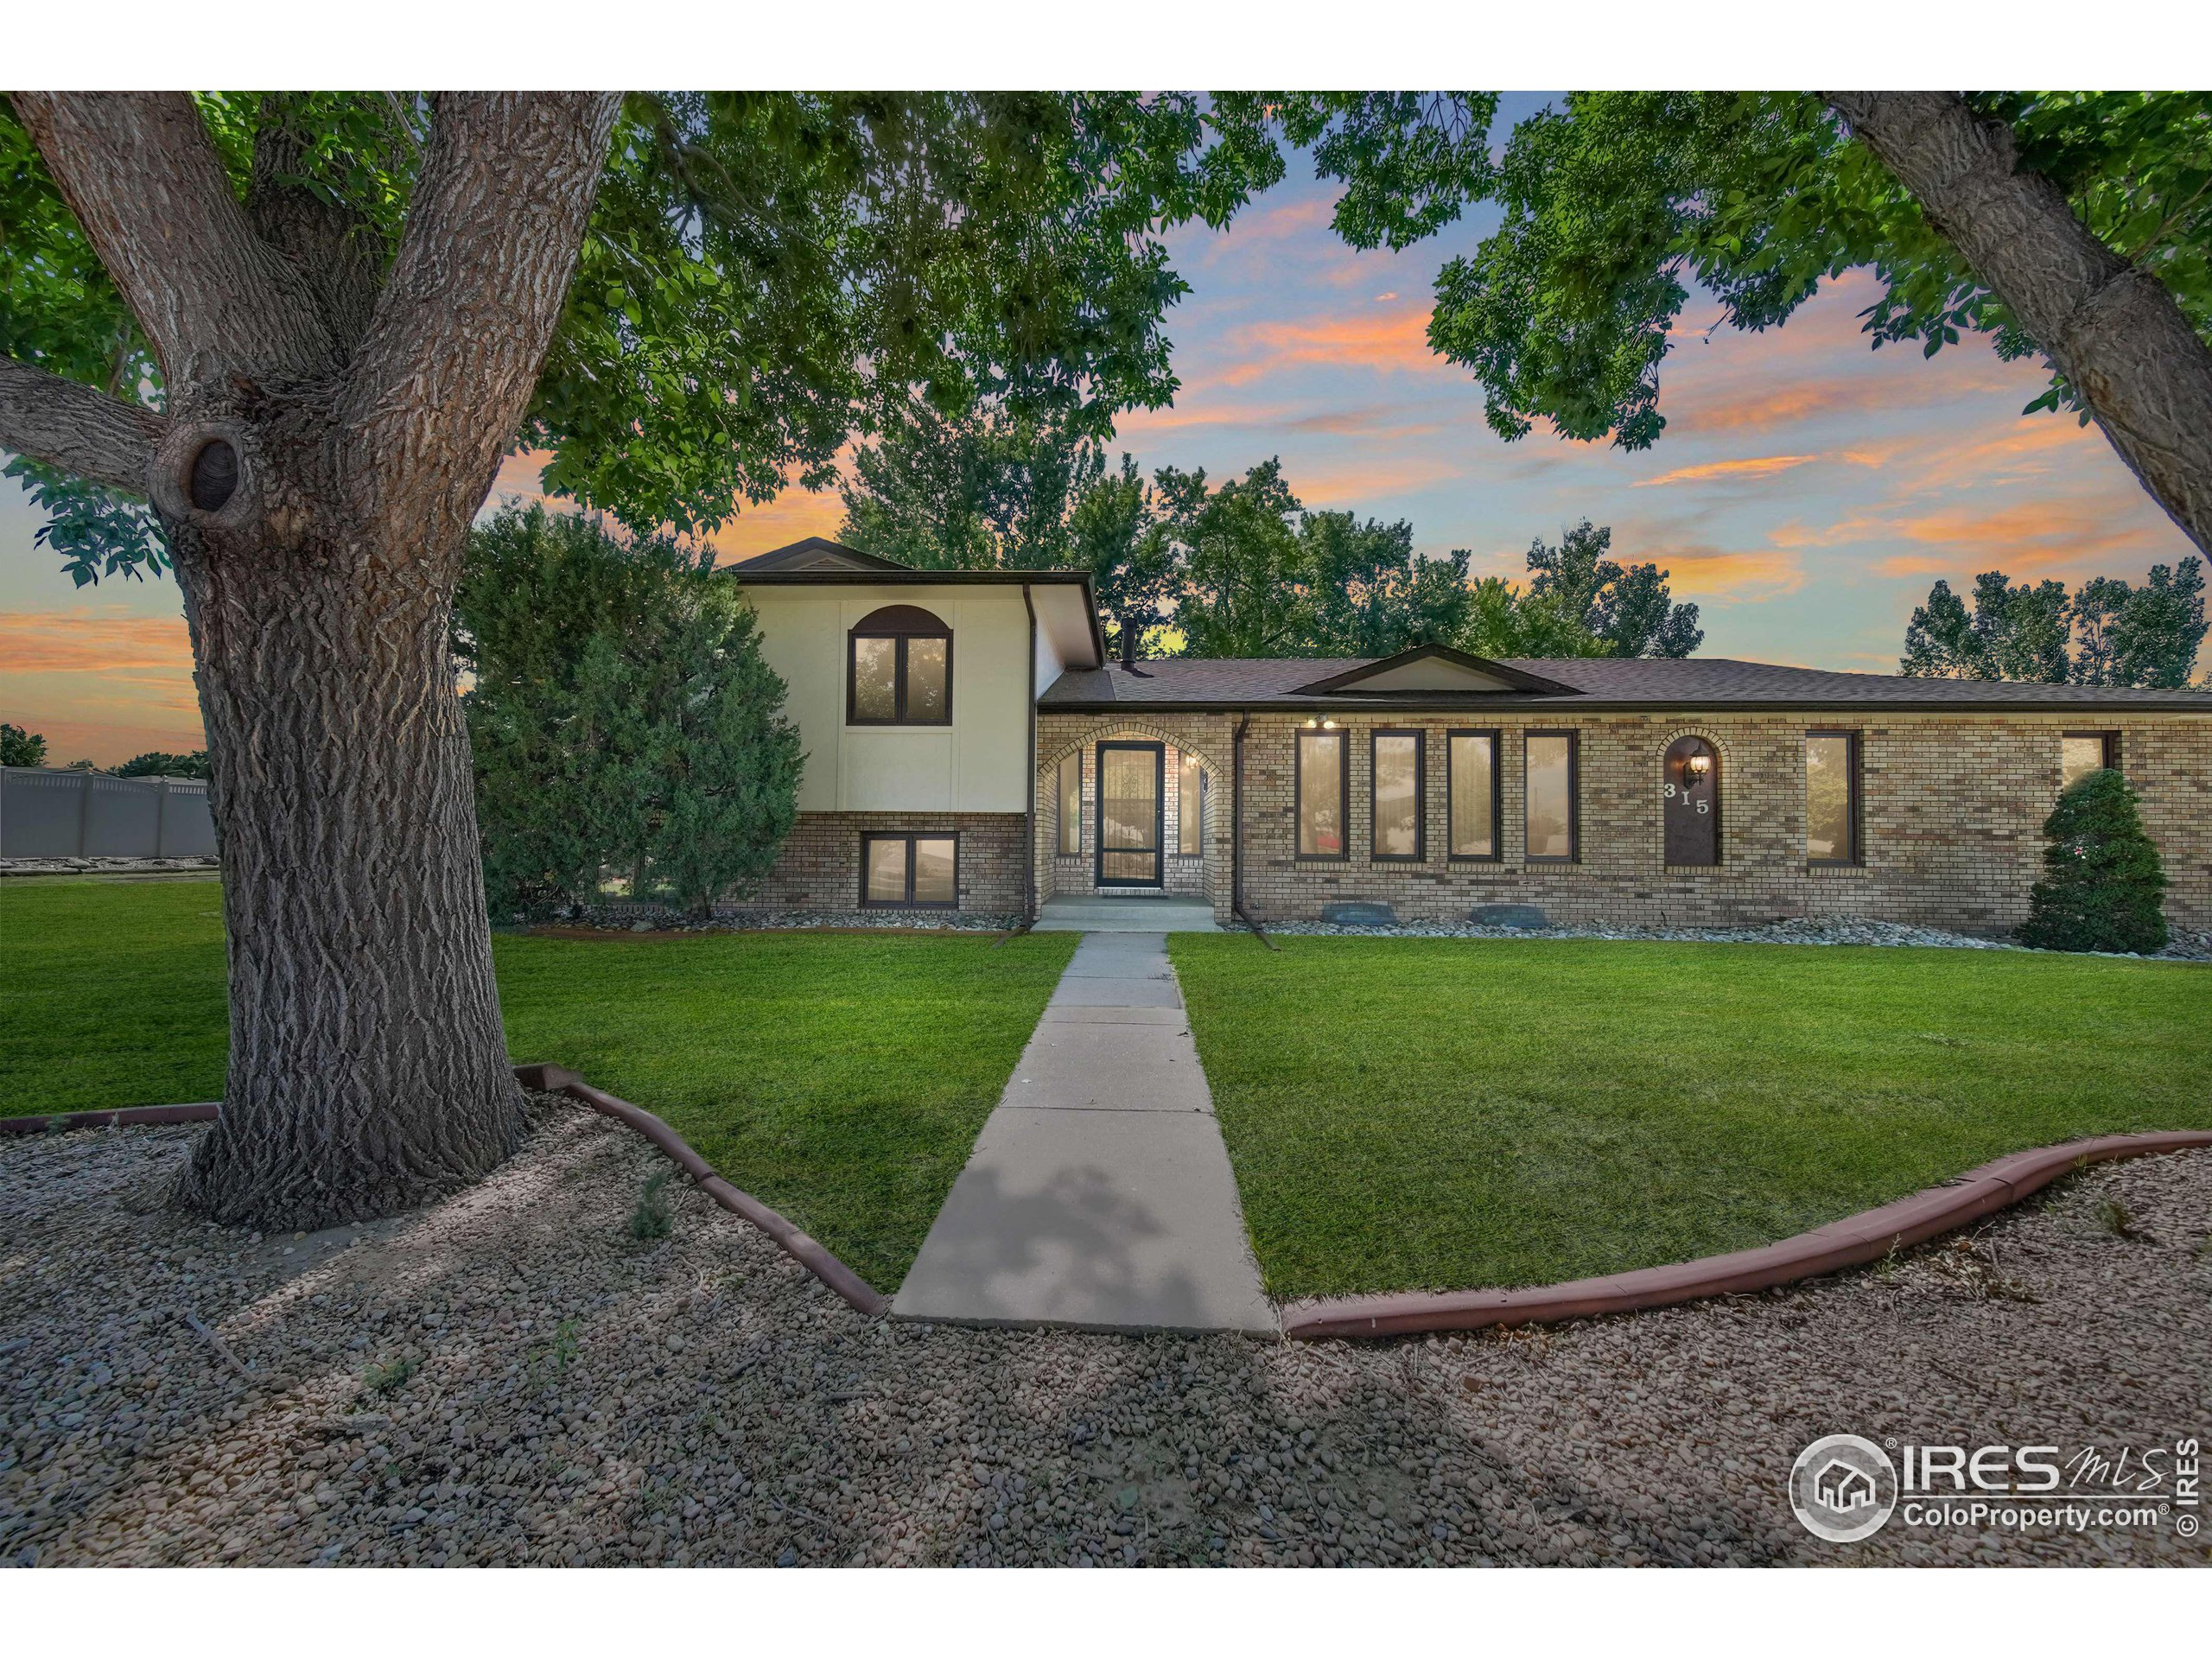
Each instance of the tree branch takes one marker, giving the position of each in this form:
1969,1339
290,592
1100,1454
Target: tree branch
143,178
460,332
2112,330
75,426
336,251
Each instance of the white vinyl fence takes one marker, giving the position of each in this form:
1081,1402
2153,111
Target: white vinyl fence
83,815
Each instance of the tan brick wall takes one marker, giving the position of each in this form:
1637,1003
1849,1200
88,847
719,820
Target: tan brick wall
1953,810
820,867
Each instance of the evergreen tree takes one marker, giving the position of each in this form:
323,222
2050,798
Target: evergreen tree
2101,876
621,717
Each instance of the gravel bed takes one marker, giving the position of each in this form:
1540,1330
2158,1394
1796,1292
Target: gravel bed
2184,945
511,1377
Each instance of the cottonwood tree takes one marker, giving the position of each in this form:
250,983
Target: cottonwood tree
304,330
2075,227
1628,608
2106,632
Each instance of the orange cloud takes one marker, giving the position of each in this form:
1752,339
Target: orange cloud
1397,342
1699,570
62,642
1752,466
791,517
1362,483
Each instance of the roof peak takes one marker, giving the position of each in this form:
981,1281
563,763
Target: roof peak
817,553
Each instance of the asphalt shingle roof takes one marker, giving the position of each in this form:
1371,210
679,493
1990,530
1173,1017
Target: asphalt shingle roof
1716,682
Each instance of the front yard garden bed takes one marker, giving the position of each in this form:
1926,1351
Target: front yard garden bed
1412,1114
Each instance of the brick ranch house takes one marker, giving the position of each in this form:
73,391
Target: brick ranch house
971,749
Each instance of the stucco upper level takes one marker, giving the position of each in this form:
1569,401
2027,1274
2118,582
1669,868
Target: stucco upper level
1010,634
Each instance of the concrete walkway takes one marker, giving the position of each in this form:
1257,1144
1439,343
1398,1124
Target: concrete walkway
1099,1195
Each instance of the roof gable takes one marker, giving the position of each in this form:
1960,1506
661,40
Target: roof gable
1432,668
817,553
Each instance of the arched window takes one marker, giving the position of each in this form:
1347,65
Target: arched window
898,668
1690,801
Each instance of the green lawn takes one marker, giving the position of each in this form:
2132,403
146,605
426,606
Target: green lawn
840,1078
1409,1113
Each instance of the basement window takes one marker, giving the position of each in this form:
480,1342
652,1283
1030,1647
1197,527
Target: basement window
909,872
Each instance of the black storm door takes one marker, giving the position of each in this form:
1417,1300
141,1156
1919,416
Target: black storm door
1130,797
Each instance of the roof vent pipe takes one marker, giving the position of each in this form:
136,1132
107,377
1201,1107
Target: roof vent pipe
1128,644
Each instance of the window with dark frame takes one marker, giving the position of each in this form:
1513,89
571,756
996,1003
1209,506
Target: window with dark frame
1324,794
898,668
910,872
1069,785
1550,786
1397,780
1832,798
1190,806
2081,753
1471,793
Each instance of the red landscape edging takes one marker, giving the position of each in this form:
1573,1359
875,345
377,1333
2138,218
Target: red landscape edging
1854,1241
555,1079
796,1244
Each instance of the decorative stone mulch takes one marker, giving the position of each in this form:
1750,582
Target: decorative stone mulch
2182,945
512,1377
648,920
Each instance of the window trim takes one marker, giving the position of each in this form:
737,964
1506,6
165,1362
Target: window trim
910,836
1298,794
1060,848
1574,800
1189,759
901,629
1856,778
1419,853
2108,740
1497,853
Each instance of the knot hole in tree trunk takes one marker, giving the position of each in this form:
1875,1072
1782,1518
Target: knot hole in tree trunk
214,476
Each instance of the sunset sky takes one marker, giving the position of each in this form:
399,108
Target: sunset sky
1807,492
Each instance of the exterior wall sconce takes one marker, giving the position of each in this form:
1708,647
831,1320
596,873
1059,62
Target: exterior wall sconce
1698,765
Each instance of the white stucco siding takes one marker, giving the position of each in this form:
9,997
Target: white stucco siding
978,764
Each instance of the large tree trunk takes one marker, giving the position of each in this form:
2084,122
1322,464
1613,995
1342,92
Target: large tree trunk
2115,331
330,431
368,1068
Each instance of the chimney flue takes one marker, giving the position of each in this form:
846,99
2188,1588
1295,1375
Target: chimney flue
1129,646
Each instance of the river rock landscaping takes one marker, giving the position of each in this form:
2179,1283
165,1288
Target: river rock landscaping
533,1372
2182,945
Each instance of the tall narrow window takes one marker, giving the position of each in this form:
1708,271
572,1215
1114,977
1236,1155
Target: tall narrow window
1554,823
909,872
1832,798
1322,801
1071,794
898,668
1471,775
1190,806
1397,793
2081,753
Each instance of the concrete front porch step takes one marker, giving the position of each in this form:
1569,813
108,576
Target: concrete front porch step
1148,915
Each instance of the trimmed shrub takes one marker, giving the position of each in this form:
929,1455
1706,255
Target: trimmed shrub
2102,881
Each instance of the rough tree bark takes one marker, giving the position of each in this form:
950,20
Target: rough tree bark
2115,331
326,444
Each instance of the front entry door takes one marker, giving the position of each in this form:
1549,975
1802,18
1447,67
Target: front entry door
1130,796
